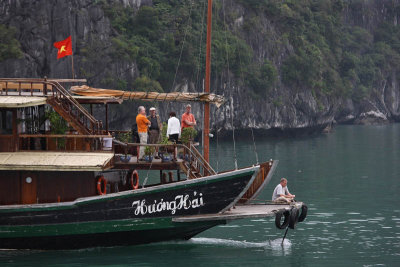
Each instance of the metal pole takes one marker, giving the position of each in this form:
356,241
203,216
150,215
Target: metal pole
206,130
72,63
106,117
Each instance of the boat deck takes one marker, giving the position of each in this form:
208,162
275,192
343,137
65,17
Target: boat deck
241,212
156,164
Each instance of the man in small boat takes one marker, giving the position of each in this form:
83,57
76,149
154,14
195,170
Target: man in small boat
142,123
281,193
174,127
188,118
155,128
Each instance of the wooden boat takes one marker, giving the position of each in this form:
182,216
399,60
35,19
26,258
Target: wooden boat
76,189
50,196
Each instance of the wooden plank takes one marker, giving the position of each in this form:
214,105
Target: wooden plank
24,86
10,189
64,135
6,143
156,164
241,212
68,80
97,100
28,188
53,185
267,169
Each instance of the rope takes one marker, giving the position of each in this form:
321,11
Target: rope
229,83
283,239
201,42
147,175
242,79
217,153
254,144
233,136
183,44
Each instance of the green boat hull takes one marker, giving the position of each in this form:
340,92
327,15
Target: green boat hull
125,218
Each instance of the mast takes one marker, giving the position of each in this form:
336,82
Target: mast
206,130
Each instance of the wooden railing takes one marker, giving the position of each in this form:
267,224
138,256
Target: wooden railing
194,162
31,86
265,173
207,169
62,142
61,100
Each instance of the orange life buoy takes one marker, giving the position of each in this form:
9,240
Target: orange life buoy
101,181
134,176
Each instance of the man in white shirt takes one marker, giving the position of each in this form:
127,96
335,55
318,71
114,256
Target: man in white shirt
281,193
174,127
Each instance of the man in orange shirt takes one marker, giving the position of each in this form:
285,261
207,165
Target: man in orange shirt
188,118
142,124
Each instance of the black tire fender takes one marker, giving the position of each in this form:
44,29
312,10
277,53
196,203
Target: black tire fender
303,214
278,217
293,218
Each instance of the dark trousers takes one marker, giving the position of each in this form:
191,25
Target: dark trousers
174,137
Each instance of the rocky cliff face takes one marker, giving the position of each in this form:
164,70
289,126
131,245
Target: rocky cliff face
284,107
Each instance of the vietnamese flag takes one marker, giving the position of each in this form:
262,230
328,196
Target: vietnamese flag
64,47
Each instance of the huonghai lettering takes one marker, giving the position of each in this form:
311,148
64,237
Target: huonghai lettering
180,202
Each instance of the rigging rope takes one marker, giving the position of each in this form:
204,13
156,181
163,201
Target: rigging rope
233,136
183,44
217,152
229,84
201,42
242,79
147,174
254,144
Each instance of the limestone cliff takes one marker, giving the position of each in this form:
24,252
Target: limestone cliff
283,103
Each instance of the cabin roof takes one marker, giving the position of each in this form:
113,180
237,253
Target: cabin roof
55,161
21,101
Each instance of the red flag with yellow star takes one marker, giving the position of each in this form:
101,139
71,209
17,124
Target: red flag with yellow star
64,47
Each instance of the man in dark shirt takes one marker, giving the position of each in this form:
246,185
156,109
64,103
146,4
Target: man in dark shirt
155,128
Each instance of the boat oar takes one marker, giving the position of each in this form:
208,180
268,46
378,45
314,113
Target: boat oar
287,229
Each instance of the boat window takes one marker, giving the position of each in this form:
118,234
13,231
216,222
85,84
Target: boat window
6,122
31,119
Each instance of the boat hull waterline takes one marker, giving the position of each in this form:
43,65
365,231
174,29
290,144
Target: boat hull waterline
124,218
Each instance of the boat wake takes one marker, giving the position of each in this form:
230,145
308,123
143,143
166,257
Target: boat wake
269,244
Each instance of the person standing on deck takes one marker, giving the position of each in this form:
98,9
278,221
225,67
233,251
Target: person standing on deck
281,193
188,118
174,127
142,125
155,128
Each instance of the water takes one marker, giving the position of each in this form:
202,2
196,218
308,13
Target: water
349,179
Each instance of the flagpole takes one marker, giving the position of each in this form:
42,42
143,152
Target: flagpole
72,63
206,130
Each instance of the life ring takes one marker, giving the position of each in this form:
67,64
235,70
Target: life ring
303,214
134,180
293,218
278,218
101,181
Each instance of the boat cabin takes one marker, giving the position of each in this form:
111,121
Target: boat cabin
52,149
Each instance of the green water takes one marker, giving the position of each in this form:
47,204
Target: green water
350,180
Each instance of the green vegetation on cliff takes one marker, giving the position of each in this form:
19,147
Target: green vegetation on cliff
9,46
160,37
331,56
321,51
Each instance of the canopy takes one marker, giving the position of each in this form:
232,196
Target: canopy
55,161
85,90
21,101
